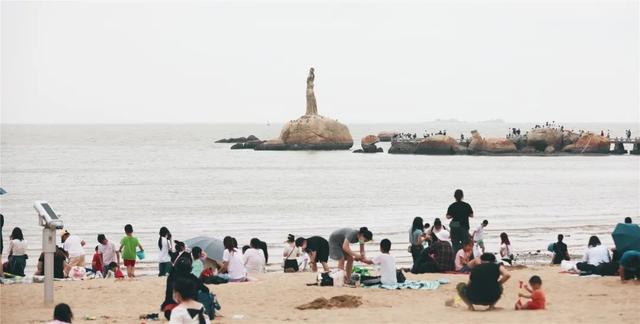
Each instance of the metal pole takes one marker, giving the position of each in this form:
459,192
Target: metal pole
49,246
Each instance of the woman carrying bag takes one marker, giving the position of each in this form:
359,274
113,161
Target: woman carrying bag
291,253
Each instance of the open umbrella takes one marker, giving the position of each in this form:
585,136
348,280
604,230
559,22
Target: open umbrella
626,237
213,247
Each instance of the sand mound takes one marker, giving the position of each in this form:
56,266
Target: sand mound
343,301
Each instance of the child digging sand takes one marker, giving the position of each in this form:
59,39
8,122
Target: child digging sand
128,246
536,295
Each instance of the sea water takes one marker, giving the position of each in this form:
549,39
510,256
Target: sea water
101,177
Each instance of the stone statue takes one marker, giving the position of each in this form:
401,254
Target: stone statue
312,107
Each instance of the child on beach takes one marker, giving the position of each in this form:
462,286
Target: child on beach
387,263
96,262
478,235
463,261
535,294
113,271
62,314
198,265
128,247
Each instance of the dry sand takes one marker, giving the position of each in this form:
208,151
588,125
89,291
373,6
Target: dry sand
274,297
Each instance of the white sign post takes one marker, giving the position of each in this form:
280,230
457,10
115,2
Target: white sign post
50,221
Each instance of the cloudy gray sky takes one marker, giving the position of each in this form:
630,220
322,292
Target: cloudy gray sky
241,61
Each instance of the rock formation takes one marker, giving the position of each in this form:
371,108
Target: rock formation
311,131
436,145
589,143
543,138
386,136
479,144
238,139
368,144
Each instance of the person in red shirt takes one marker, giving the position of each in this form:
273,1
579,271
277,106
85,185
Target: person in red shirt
536,295
96,262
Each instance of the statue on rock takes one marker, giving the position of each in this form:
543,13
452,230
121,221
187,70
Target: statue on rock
311,131
312,107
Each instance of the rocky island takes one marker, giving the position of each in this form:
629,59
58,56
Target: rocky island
538,141
311,131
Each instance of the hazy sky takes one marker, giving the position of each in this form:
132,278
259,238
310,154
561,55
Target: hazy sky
240,61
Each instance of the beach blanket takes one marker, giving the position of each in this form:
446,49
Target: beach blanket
413,284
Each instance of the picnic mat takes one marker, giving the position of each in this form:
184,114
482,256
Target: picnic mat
413,284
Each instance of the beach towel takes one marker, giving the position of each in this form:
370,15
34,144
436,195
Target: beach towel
413,284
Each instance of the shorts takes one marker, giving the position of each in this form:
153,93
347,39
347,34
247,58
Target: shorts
322,255
491,299
532,305
480,243
129,263
77,261
335,249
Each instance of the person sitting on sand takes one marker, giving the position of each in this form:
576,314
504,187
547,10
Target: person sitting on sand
536,295
180,269
464,258
188,310
387,265
17,253
291,253
416,238
62,314
340,249
59,259
629,265
253,257
197,266
485,283
113,271
74,246
232,263
506,253
560,251
440,230
595,254
318,249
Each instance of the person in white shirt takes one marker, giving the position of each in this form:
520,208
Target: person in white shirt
164,257
232,262
253,257
478,235
291,253
108,253
17,253
75,248
188,311
595,254
387,264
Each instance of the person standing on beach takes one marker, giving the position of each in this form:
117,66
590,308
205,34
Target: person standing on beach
1,245
318,250
340,250
459,213
128,246
74,246
164,257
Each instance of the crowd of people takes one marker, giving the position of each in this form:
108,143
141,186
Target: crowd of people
456,248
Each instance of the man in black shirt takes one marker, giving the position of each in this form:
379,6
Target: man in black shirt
459,213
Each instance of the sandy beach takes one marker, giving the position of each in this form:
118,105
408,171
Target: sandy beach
273,297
